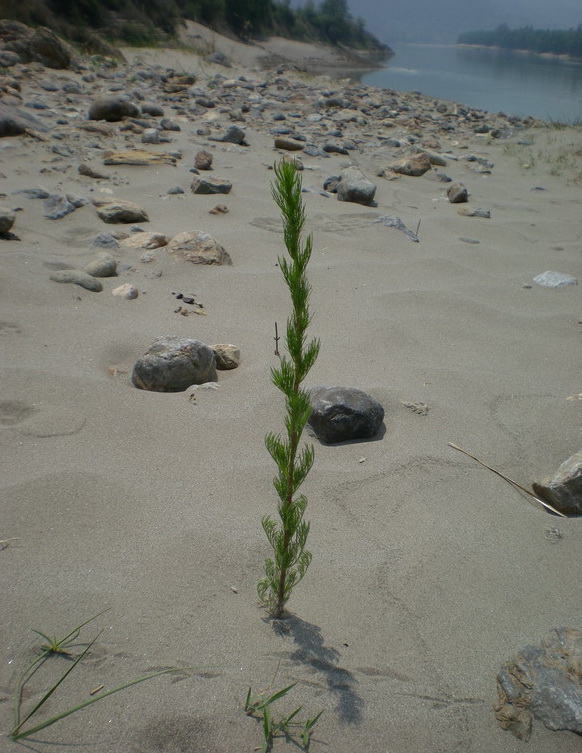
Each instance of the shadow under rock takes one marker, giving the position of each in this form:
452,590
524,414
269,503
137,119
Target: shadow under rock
313,654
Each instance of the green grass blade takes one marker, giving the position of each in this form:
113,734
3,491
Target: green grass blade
76,630
15,735
51,690
287,721
277,695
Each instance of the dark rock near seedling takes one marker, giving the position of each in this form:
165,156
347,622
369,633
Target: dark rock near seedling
339,414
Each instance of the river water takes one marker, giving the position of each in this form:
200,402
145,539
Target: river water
488,79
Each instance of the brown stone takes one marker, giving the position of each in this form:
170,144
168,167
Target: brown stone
198,247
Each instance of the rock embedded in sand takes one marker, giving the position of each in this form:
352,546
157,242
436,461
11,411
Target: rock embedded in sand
289,144
57,206
76,277
146,241
554,280
543,682
103,266
232,135
203,160
198,247
339,414
113,109
457,193
118,210
210,185
414,166
172,364
127,291
564,490
139,157
353,186
7,219
227,356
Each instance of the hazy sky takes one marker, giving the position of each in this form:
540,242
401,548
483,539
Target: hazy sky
443,20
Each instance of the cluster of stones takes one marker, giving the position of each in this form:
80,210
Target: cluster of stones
310,118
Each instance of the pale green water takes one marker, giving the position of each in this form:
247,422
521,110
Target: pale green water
492,80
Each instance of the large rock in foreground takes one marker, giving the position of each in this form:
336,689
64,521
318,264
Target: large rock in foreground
339,414
564,490
543,682
172,364
355,187
198,247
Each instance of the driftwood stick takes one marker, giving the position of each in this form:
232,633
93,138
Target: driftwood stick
513,483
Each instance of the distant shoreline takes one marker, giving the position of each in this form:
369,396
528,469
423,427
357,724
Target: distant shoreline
553,55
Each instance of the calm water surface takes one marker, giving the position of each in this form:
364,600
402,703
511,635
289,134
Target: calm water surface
493,80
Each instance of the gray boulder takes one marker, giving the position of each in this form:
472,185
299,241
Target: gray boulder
564,490
232,135
339,414
203,160
172,364
355,187
543,682
457,193
112,109
210,185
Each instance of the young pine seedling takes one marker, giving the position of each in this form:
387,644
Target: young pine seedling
288,537
58,647
259,707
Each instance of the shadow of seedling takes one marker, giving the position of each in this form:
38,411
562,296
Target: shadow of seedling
313,654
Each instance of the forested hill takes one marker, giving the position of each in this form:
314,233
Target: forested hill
141,22
558,42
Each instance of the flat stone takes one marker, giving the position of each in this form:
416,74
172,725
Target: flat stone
118,210
289,144
208,185
76,277
146,241
139,157
543,682
554,280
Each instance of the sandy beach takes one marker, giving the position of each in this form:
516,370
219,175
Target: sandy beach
429,572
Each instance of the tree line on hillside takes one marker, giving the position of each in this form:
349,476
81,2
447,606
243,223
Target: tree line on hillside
558,42
141,21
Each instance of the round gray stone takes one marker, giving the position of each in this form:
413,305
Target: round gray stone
172,364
